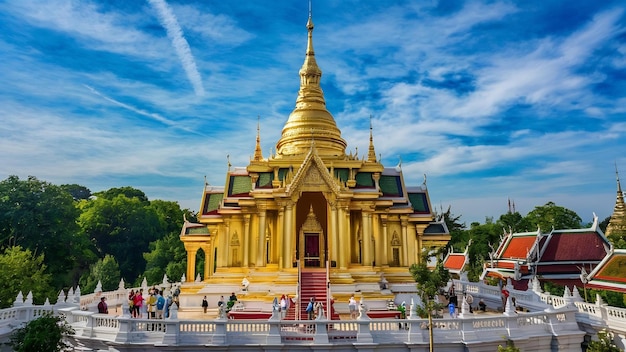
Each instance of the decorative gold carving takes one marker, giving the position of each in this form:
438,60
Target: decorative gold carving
395,239
234,239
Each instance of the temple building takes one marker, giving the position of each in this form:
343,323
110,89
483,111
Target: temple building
311,207
617,224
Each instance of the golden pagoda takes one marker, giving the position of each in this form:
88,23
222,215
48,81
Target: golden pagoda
310,207
617,224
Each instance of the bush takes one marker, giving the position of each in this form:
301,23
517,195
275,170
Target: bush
44,334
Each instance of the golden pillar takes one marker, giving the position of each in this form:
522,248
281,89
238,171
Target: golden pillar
344,226
367,238
260,258
280,234
191,264
288,235
385,244
246,240
405,244
334,235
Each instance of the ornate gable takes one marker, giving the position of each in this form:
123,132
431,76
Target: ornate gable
313,176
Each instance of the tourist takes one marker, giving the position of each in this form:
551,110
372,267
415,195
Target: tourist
505,297
138,303
168,304
452,309
352,307
283,306
160,305
131,303
233,297
310,309
220,302
482,306
151,305
102,306
205,304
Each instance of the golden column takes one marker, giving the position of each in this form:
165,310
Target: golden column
288,235
246,240
344,226
280,237
385,244
366,238
405,243
208,260
260,258
191,264
334,235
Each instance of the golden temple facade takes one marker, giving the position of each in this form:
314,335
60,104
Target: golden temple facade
311,205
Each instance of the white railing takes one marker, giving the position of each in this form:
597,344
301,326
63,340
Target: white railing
559,319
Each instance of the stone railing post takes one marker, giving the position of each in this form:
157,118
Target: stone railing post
416,333
172,331
321,333
123,334
219,337
273,336
364,335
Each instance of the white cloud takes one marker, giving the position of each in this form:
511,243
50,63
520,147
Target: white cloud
175,33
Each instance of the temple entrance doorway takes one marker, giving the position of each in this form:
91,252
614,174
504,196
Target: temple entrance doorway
311,250
311,239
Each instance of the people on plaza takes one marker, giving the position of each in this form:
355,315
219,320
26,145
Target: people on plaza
205,304
220,302
352,306
482,306
233,297
151,304
310,309
505,297
168,304
138,303
283,306
160,305
452,309
131,303
102,306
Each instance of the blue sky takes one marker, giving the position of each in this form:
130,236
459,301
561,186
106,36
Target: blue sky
492,100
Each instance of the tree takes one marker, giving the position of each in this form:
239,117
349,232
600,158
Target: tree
41,217
429,282
604,343
25,272
106,271
514,222
77,192
166,256
122,227
44,334
509,347
128,192
550,216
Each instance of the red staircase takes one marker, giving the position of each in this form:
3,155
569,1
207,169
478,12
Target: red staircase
313,284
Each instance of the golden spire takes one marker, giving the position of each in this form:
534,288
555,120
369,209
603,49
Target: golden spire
617,224
258,155
310,114
371,154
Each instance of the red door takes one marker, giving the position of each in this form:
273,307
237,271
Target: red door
311,250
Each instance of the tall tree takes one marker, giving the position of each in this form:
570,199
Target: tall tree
41,217
106,271
122,227
550,216
23,271
78,192
429,282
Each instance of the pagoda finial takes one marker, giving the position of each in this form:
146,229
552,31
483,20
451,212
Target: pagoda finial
258,155
617,223
228,159
371,154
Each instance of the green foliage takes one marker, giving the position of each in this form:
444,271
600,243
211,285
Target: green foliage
166,256
604,343
122,227
128,192
509,347
25,272
44,334
551,215
39,216
429,282
514,222
77,192
614,299
106,270
554,289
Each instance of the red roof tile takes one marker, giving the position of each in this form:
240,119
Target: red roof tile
519,246
584,246
455,261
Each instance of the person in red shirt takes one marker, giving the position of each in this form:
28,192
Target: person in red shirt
102,306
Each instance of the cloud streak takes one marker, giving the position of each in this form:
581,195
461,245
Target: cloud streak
175,33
